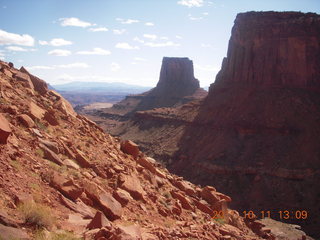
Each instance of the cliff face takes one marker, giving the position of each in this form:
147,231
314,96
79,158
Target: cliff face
256,136
275,49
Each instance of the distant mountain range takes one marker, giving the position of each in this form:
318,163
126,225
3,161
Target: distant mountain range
87,87
84,93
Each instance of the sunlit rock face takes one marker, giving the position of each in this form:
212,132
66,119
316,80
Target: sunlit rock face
272,48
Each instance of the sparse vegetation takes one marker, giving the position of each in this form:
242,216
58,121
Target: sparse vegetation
36,215
42,235
40,153
15,164
40,125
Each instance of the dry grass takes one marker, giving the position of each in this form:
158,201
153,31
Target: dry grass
36,215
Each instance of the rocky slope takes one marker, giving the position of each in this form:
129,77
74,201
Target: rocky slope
60,172
177,85
256,135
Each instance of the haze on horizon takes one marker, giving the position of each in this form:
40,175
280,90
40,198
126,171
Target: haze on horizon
122,41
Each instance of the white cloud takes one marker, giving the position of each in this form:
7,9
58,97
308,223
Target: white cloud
164,38
205,13
207,68
127,21
43,42
138,40
150,24
16,49
150,36
73,65
191,3
126,46
178,37
139,59
194,18
70,65
95,51
118,31
100,29
60,52
56,42
165,44
39,68
59,42
7,38
115,67
74,22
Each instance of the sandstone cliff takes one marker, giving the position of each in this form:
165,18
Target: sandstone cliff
256,135
60,173
177,85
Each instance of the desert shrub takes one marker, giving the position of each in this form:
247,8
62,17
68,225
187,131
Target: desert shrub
36,215
40,152
41,235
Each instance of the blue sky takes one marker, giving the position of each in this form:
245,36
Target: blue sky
123,40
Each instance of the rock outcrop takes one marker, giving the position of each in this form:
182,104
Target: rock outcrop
273,49
256,135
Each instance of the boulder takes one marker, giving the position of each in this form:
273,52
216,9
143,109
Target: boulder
23,77
51,145
67,187
82,159
122,196
132,185
185,202
79,207
38,84
49,116
130,148
110,206
26,120
50,155
71,164
5,129
13,233
99,221
148,163
36,112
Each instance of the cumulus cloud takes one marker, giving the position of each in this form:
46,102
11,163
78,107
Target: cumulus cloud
37,67
138,40
205,13
127,46
19,49
150,36
118,31
191,3
127,21
95,51
100,29
74,22
164,44
115,67
60,53
7,38
70,65
150,24
56,42
178,37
